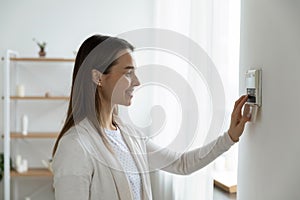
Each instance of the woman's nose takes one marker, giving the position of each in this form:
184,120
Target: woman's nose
136,81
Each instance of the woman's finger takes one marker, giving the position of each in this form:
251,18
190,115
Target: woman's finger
238,101
247,111
236,113
243,121
240,104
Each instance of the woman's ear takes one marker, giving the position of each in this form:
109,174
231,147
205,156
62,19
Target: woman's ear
96,77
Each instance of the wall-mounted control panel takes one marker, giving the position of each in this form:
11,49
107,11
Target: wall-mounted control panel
253,87
254,92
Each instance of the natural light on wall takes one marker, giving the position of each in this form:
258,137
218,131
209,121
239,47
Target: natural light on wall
214,25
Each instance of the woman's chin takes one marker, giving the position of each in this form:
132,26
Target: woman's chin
127,102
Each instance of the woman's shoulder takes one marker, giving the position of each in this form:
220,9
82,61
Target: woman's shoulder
70,144
70,154
70,137
74,134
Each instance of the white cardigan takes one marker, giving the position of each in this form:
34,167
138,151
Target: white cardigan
84,169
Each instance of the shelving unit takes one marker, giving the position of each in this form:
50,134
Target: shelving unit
8,100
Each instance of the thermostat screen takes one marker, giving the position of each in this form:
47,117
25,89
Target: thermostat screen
251,95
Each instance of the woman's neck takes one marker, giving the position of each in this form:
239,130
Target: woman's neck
106,115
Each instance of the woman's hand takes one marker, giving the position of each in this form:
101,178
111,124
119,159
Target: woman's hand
238,120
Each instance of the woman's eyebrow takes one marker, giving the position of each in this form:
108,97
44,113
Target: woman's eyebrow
129,67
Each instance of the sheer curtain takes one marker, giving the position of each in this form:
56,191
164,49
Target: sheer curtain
214,25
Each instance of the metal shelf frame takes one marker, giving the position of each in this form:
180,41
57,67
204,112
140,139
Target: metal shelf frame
6,122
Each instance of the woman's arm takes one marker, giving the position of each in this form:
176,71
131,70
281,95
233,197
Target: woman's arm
72,170
188,162
191,161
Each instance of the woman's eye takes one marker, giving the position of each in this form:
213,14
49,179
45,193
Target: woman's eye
128,74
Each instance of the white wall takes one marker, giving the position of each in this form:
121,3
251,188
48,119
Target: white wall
269,150
63,25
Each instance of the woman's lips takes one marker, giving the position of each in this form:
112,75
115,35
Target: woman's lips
129,93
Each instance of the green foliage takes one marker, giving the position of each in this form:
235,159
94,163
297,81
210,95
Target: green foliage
2,165
42,45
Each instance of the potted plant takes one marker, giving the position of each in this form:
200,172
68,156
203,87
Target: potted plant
2,165
42,46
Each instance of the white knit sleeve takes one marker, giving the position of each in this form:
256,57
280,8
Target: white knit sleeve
190,161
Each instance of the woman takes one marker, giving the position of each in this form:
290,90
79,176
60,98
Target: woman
96,156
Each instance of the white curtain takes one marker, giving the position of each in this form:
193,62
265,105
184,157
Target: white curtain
214,25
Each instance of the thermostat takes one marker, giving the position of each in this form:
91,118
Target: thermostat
253,87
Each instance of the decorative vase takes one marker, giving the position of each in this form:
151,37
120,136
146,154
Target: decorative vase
42,52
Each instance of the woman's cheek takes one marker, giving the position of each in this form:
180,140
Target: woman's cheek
126,82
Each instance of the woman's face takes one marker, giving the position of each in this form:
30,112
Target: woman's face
118,84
